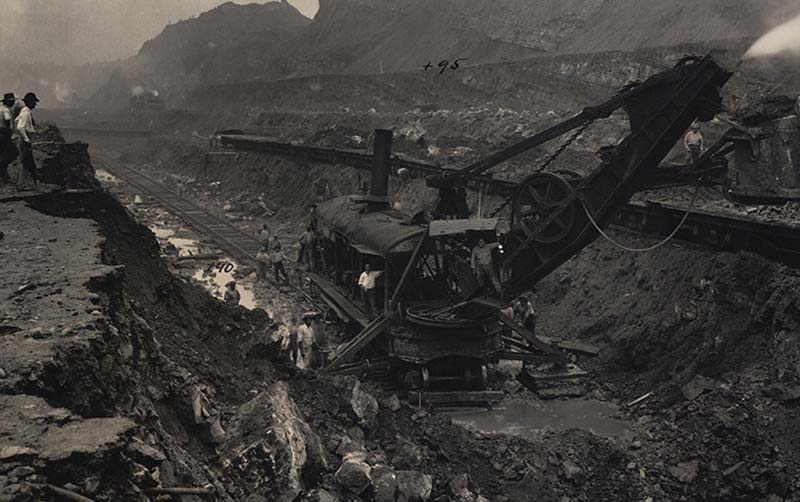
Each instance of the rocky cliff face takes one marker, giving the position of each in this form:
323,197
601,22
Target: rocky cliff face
236,43
229,43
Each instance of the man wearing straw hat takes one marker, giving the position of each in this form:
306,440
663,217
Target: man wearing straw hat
8,152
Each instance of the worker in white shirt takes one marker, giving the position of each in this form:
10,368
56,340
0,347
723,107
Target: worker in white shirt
482,264
24,127
277,257
367,284
305,337
693,141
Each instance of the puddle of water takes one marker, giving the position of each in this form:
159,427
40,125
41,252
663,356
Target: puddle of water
105,177
162,232
215,281
525,419
185,246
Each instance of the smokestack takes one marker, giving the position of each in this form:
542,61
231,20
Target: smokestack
381,164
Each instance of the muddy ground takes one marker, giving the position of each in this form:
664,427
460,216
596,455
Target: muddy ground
100,333
708,339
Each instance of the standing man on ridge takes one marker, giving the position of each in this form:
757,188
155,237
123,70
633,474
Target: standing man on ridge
8,152
24,127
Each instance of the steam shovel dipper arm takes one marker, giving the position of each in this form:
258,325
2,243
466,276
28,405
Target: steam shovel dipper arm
588,114
660,110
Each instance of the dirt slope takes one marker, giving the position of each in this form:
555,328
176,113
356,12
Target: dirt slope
228,43
234,43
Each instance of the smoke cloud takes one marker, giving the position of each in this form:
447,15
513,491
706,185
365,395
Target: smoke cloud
784,38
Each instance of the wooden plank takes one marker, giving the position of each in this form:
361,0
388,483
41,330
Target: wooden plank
580,348
329,290
370,366
479,396
526,357
527,335
570,372
360,341
517,344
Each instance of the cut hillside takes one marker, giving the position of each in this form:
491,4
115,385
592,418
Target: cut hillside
228,43
236,43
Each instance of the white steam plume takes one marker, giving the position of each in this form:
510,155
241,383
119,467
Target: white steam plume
785,37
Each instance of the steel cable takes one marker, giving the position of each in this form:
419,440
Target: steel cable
650,248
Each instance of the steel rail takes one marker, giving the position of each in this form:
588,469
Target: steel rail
235,242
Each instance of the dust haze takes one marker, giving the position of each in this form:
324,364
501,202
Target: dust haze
83,31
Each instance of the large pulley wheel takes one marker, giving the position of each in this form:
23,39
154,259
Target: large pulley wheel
538,198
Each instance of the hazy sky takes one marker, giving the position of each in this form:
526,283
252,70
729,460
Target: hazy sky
78,31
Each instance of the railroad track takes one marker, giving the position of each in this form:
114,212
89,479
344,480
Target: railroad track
234,242
777,241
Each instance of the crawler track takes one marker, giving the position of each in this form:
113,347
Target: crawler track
777,241
235,242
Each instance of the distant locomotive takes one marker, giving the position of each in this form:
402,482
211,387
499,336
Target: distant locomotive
148,100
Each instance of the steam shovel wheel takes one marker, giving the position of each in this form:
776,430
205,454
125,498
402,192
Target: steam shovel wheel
476,378
538,197
415,378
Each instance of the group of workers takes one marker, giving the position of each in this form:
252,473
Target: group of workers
307,341
271,253
16,129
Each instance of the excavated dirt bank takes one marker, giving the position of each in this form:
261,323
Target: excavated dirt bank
713,337
158,371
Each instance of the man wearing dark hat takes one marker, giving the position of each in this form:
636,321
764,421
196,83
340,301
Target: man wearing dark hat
8,152
25,126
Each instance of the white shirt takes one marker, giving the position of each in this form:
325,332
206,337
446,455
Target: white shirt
693,139
305,335
24,124
367,279
7,116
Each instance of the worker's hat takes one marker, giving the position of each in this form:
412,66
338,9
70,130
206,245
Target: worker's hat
695,125
30,97
9,97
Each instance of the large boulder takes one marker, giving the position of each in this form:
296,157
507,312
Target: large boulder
354,474
271,447
384,484
364,405
413,486
407,456
401,486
